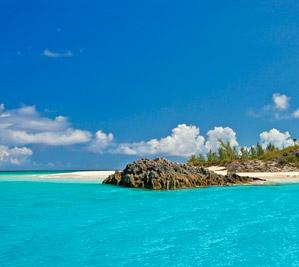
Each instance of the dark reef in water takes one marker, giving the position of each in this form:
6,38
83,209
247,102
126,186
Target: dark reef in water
161,174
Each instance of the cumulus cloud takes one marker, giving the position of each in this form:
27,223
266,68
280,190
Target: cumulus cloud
101,142
279,109
185,140
281,101
224,134
23,127
54,54
64,138
26,126
15,155
296,114
276,138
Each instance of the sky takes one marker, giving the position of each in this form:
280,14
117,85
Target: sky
97,84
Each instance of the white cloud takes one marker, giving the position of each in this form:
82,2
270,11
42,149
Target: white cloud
100,142
62,138
15,155
54,54
26,126
224,134
184,141
278,109
281,101
276,138
296,114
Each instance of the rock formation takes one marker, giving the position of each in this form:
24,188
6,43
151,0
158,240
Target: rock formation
161,174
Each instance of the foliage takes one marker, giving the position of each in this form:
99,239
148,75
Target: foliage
227,153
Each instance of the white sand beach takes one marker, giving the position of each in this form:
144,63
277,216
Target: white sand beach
98,176
269,177
65,177
274,177
78,176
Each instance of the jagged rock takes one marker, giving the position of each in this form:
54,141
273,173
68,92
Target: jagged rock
161,174
278,165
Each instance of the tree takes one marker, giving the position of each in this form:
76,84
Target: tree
201,158
212,157
270,147
259,150
253,152
197,160
193,160
244,153
226,152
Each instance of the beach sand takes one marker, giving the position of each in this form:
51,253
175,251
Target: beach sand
65,177
274,177
79,176
269,177
99,176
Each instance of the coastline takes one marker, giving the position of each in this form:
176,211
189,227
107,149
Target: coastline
271,178
97,177
61,177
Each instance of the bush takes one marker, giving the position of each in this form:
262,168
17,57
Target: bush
226,154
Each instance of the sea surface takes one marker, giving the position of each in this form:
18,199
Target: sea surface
65,224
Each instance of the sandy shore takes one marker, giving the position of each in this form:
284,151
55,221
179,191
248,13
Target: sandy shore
80,174
269,177
98,176
68,177
274,177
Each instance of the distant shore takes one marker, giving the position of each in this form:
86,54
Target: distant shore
98,177
71,177
269,177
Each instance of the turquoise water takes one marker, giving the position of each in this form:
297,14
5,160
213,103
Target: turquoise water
52,224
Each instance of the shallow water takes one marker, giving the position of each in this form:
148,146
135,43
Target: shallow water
52,224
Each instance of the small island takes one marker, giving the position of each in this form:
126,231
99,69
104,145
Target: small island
162,174
227,166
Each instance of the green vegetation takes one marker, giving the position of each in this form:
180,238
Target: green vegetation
227,154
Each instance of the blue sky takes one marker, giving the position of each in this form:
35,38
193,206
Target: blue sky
137,70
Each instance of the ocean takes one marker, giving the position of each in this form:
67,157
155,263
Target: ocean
73,224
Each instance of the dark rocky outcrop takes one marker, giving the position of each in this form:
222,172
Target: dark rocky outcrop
161,174
278,165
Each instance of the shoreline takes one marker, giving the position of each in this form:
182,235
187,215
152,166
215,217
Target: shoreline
271,178
96,177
